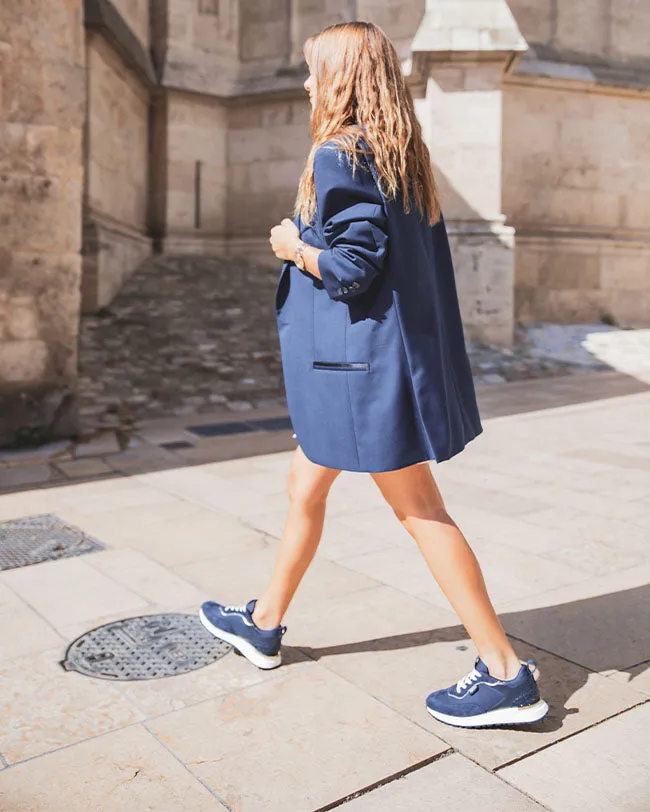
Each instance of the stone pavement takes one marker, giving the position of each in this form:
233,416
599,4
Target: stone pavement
554,497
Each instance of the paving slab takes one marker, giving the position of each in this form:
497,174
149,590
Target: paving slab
146,578
42,707
124,770
104,500
602,623
451,784
435,658
605,769
229,674
24,631
71,590
297,742
199,536
238,577
121,527
508,573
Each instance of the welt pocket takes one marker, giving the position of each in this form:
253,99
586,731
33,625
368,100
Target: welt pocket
358,366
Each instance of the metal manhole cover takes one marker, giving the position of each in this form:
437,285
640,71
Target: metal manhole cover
41,538
147,647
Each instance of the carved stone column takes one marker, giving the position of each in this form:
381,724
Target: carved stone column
460,53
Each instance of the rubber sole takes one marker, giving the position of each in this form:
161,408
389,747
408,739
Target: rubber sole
243,647
525,715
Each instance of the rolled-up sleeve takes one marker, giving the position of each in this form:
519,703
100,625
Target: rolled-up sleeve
354,225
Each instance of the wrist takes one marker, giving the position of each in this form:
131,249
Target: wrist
298,254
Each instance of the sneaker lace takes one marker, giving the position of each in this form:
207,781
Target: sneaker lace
241,608
467,680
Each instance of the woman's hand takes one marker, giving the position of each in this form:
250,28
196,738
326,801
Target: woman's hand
283,239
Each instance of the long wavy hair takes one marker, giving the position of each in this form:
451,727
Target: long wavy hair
360,89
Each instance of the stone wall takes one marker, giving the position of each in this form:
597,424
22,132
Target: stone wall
576,188
196,173
202,46
268,144
117,169
41,120
611,29
136,16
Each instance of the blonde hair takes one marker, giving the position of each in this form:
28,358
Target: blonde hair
360,89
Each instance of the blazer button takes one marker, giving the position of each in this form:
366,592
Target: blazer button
345,290
354,284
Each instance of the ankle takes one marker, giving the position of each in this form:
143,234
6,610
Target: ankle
265,619
502,666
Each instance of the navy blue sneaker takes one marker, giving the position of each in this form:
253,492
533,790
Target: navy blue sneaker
480,700
234,625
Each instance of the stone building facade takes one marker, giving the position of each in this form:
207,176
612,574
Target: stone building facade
132,126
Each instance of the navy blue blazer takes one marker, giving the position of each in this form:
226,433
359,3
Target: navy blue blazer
374,362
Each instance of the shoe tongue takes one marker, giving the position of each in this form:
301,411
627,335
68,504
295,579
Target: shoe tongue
479,665
250,606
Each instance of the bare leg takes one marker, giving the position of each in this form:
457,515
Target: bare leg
308,485
414,497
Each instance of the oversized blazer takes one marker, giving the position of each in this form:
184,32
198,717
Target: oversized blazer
374,361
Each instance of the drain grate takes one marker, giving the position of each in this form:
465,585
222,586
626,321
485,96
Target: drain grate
41,538
147,647
240,427
219,429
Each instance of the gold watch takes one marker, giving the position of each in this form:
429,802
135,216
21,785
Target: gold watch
300,260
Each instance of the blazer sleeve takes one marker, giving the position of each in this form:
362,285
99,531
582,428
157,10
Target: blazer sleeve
354,222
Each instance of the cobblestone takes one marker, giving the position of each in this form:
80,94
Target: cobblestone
186,335
191,335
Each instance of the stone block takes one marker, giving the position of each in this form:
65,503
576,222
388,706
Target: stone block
31,718
23,631
613,763
582,28
23,362
70,590
324,714
39,213
136,16
117,138
436,789
22,319
628,24
126,769
573,271
484,263
535,19
110,255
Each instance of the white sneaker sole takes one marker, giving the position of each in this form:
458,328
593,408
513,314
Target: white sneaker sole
501,716
249,651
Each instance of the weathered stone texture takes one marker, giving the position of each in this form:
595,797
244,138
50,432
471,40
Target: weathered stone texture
399,20
483,258
136,15
615,29
576,186
116,213
464,128
41,116
196,167
117,138
268,143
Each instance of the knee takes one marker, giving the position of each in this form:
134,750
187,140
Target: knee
305,493
409,516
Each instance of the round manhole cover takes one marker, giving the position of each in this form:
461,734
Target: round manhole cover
147,647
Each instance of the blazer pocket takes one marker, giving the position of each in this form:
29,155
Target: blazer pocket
343,366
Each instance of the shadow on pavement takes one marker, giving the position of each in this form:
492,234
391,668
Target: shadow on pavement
603,633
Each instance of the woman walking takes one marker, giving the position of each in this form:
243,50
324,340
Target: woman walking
375,368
